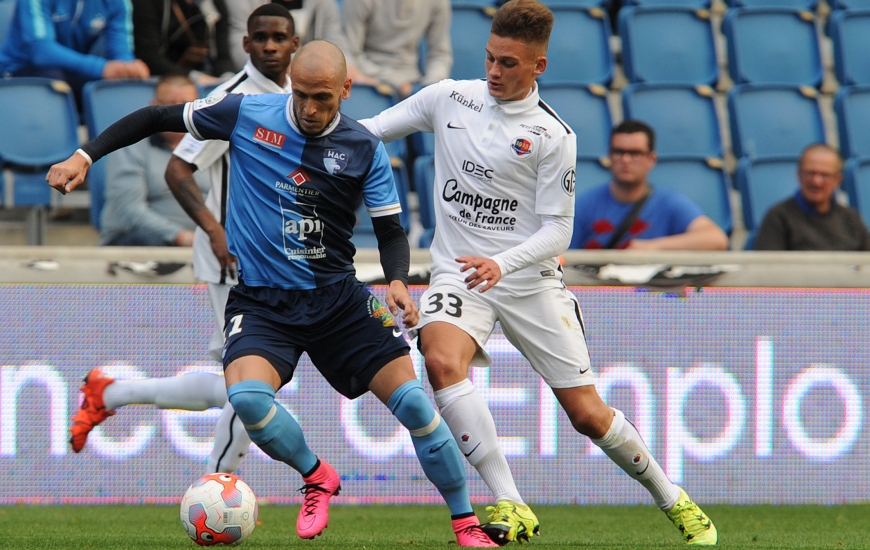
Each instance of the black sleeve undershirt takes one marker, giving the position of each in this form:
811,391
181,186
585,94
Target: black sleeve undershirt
135,127
393,247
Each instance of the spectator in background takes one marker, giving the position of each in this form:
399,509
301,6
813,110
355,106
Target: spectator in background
185,37
628,213
383,42
140,209
60,39
812,219
315,20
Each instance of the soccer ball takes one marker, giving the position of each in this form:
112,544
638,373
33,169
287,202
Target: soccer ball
218,509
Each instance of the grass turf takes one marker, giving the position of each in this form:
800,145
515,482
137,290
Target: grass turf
412,527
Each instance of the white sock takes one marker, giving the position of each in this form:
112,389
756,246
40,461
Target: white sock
473,428
623,444
196,391
231,442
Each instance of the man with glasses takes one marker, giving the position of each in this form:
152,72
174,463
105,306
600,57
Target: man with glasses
812,219
628,213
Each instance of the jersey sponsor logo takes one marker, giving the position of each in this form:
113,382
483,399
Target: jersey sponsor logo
568,180
335,160
548,273
303,232
536,130
479,211
521,147
465,102
379,311
204,102
477,171
299,176
269,137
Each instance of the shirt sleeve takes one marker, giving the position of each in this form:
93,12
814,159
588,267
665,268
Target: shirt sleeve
355,17
550,240
213,117
414,114
773,232
38,33
556,174
683,212
202,154
379,188
119,31
439,56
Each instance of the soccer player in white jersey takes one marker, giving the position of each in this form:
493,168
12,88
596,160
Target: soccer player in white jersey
271,42
504,186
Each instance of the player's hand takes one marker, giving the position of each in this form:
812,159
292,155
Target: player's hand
486,272
398,298
69,174
218,239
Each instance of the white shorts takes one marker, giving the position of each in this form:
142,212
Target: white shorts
217,294
546,327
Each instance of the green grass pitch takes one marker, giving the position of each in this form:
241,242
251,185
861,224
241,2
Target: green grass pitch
424,527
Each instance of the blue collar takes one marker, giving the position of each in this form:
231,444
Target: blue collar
807,207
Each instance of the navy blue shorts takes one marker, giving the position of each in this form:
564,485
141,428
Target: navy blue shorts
348,334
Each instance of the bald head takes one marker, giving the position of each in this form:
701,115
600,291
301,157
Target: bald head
319,59
318,76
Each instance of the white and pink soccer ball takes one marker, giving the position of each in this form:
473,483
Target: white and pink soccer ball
219,509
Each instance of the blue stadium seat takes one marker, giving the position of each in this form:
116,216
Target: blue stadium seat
773,45
579,51
795,4
469,33
7,12
104,102
771,120
763,183
703,181
591,172
700,4
364,231
424,179
40,126
668,44
852,107
850,34
368,101
850,4
683,116
585,110
856,184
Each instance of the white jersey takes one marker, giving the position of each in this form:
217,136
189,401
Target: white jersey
499,167
214,155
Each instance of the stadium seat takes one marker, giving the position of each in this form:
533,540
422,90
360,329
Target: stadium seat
424,179
856,184
703,181
773,45
700,4
850,35
469,33
40,126
852,107
772,120
7,12
104,102
364,231
585,110
850,4
795,4
591,172
683,116
579,51
763,183
368,101
668,44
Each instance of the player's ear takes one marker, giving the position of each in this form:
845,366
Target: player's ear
345,90
540,66
294,44
246,43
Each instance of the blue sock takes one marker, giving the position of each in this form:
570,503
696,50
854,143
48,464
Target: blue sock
269,424
436,449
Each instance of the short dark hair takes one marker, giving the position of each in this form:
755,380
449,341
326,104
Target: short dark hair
528,21
633,127
272,10
819,147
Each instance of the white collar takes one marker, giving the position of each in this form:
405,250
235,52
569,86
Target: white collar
517,106
265,84
291,118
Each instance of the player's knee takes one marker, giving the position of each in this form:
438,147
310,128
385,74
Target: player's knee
413,409
591,423
254,402
442,368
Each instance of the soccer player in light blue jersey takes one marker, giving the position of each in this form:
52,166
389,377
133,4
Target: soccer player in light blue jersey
298,170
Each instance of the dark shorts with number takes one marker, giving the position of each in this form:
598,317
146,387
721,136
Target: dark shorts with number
348,334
